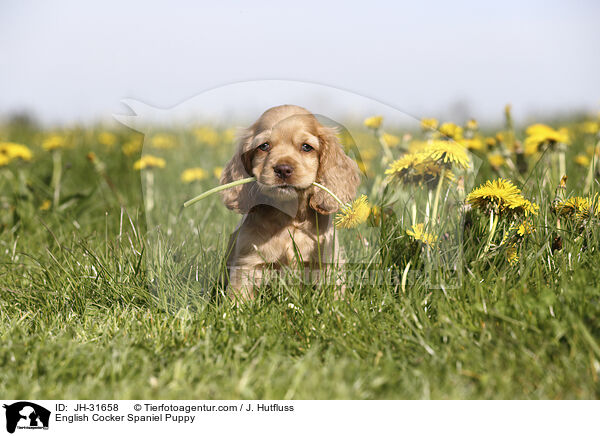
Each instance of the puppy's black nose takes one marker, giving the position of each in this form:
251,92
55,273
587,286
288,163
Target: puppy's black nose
283,171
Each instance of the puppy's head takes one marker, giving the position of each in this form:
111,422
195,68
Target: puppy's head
287,149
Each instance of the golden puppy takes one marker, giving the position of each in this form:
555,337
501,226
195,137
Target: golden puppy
286,217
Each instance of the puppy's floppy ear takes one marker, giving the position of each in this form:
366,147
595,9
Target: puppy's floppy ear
239,167
336,171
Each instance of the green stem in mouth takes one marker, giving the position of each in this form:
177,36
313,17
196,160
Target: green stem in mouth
248,180
219,189
335,197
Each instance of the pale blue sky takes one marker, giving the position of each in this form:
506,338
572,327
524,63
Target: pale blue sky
75,60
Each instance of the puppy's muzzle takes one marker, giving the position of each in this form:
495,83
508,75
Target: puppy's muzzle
283,171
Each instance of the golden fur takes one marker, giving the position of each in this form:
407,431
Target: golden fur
286,149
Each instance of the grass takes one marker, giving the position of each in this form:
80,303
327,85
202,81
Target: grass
98,300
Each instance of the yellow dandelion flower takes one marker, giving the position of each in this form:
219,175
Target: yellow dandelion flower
452,131
4,160
148,161
45,205
217,172
429,124
527,207
390,140
193,174
353,214
374,122
590,127
417,231
565,134
496,160
448,153
53,142
473,144
402,167
580,207
582,159
207,136
163,141
520,230
107,139
132,147
12,150
416,168
512,254
472,125
539,135
502,196
490,141
525,228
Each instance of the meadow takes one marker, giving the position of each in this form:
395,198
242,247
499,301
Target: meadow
475,265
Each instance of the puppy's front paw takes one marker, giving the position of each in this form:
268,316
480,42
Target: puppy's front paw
240,295
242,283
340,291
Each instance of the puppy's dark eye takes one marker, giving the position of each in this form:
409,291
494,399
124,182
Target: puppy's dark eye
265,146
306,147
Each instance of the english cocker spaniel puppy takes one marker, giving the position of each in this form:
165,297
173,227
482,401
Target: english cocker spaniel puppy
286,220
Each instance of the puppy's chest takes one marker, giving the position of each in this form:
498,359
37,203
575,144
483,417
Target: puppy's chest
293,240
283,245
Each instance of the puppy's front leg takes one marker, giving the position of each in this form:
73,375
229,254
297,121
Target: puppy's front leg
242,282
330,275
